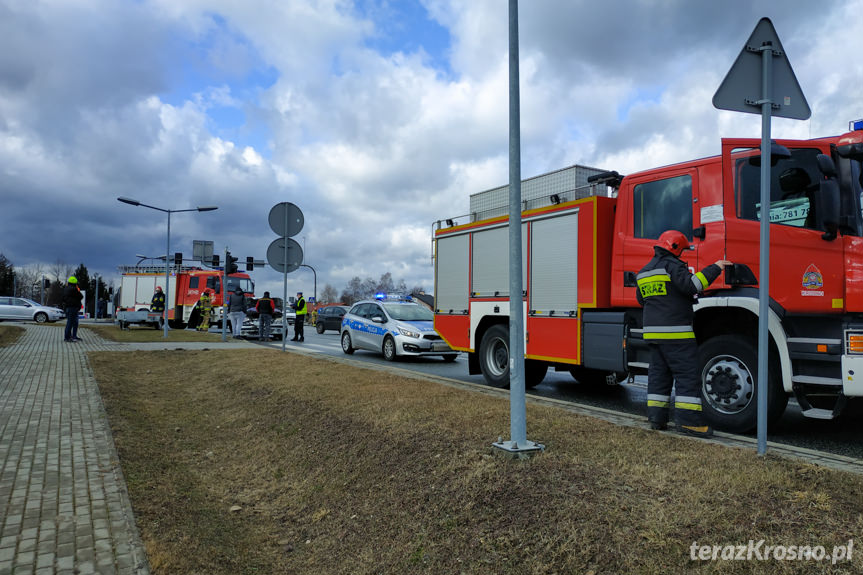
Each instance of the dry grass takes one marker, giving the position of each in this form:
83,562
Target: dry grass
9,334
137,333
343,470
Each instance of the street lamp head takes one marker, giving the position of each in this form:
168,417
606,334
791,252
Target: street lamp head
207,208
129,201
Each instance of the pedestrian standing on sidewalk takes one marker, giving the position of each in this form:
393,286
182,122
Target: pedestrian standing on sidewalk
71,302
237,311
265,309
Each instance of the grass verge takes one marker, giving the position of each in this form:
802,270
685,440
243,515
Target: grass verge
9,334
136,333
255,461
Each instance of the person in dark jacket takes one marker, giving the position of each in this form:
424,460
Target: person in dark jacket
237,311
157,304
265,309
666,290
71,302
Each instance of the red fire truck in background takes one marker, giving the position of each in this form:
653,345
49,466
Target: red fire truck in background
583,245
185,288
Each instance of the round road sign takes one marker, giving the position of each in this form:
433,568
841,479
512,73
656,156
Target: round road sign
276,255
286,219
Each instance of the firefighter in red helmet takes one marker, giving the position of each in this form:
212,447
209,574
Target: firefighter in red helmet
158,301
666,290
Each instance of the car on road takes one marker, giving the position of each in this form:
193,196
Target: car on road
393,327
330,317
19,308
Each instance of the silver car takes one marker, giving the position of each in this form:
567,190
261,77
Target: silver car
19,308
394,328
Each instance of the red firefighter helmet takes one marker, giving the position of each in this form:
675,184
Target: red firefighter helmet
673,241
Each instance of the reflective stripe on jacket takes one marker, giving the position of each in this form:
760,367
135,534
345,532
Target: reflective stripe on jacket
665,289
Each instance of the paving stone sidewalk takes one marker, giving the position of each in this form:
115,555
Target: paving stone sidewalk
63,501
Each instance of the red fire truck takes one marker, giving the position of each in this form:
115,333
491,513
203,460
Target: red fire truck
583,245
186,286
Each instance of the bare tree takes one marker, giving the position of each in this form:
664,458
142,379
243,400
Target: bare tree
60,271
329,295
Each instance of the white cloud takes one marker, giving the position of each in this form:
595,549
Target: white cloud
247,104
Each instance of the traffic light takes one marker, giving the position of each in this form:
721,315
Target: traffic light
230,263
216,260
178,258
250,263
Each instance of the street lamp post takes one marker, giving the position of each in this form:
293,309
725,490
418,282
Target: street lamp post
132,202
316,280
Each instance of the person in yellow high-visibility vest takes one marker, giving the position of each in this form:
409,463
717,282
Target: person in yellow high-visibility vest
205,306
300,319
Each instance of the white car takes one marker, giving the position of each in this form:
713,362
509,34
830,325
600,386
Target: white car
19,308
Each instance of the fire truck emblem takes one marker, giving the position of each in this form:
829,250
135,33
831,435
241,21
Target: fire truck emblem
812,282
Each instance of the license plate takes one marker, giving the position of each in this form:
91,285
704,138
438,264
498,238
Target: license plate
440,346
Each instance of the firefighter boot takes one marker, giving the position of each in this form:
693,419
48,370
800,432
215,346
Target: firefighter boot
696,430
658,425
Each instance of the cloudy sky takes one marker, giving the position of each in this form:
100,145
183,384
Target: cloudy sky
375,117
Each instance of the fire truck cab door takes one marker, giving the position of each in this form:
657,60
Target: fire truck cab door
661,200
806,270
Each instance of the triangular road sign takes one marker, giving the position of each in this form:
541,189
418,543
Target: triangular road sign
740,91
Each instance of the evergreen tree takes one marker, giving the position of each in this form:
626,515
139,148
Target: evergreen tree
7,276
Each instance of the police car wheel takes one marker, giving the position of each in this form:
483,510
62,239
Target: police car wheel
346,343
449,358
389,348
728,368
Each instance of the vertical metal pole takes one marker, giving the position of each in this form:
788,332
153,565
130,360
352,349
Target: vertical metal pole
167,280
285,288
224,297
764,257
517,408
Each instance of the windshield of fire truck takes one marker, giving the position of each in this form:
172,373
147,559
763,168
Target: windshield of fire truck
247,285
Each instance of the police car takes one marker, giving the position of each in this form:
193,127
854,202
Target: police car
394,326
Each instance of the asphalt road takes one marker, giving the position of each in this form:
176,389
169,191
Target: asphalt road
843,436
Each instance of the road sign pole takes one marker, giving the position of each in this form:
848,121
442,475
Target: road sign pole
764,255
285,291
224,298
755,64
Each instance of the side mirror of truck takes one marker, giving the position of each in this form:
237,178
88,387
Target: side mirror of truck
827,199
740,275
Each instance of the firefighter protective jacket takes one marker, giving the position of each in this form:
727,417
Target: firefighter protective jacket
158,302
666,290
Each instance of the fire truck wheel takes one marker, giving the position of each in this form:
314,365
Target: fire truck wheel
389,349
534,372
728,367
494,360
494,356
346,343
